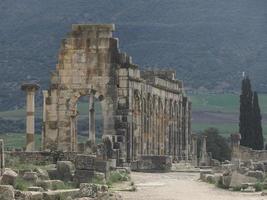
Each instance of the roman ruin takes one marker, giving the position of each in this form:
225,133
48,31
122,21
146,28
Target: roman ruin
30,89
145,112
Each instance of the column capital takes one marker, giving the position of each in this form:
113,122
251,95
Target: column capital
29,87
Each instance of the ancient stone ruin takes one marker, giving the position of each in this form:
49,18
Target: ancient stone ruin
144,112
146,122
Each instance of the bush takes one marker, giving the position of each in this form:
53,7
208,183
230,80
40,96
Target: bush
217,145
116,176
21,184
258,187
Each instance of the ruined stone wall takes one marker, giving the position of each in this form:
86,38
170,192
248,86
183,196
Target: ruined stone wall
38,157
87,65
246,154
157,115
144,112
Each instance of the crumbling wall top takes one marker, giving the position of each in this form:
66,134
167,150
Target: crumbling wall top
83,27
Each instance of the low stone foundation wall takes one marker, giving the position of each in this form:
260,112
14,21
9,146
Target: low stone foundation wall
39,157
152,164
246,154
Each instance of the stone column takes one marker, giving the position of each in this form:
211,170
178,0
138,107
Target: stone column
194,148
2,159
235,145
203,151
45,95
91,119
30,89
186,129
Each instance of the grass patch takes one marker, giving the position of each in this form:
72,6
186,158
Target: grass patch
258,187
21,184
116,177
18,140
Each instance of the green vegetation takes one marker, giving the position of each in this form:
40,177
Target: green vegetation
21,184
250,117
258,187
117,176
17,140
222,102
217,145
222,105
216,102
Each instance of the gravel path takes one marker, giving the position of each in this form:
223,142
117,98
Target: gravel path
180,186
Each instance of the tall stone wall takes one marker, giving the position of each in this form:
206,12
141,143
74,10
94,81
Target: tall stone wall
144,112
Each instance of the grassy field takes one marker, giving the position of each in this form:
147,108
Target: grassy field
17,140
222,102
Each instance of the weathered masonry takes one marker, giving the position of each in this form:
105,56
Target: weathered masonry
144,112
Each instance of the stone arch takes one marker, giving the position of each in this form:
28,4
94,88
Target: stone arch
86,65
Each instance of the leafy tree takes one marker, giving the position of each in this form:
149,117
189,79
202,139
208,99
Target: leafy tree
245,117
217,145
258,143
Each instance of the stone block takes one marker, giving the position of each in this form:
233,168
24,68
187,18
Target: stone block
41,173
9,177
226,180
259,175
53,174
61,194
238,179
112,163
7,192
35,189
154,163
84,162
64,169
30,177
28,195
102,166
50,184
83,176
88,190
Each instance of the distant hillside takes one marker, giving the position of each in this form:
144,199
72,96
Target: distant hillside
209,42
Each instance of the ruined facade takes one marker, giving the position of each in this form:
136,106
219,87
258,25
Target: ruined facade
144,112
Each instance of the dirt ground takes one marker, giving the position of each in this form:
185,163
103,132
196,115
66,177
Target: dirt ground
180,186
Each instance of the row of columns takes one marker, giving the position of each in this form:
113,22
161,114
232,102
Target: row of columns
161,128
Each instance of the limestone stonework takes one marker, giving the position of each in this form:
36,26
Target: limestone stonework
30,89
144,112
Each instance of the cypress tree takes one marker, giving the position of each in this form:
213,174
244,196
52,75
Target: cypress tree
257,127
245,117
